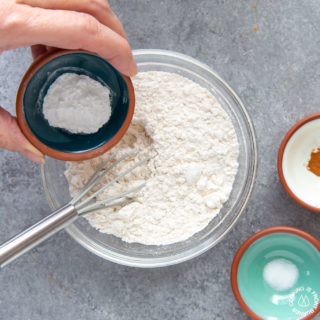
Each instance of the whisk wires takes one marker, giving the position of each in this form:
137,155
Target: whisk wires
89,204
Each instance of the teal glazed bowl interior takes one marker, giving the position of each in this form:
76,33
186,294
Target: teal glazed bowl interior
34,87
134,254
259,298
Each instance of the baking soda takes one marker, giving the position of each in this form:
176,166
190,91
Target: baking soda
77,103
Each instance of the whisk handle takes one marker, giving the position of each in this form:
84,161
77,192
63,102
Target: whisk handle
34,235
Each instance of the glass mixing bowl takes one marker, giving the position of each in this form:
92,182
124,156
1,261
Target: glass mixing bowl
133,254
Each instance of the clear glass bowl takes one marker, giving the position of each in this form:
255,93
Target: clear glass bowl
132,254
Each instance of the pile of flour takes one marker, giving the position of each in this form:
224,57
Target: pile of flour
194,152
77,103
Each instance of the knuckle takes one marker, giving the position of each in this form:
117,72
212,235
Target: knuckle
13,21
96,6
126,49
107,5
13,24
90,25
104,4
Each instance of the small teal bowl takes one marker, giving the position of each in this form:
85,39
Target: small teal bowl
256,297
59,143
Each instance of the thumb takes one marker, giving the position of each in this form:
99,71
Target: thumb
12,139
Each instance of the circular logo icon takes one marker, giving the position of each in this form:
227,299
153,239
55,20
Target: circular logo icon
303,301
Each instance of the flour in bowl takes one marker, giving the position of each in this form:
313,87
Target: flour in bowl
77,103
194,151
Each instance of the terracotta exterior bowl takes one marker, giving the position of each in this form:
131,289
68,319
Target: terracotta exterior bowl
61,144
305,121
257,297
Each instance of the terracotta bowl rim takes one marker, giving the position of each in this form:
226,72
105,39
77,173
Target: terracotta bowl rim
282,147
60,155
243,248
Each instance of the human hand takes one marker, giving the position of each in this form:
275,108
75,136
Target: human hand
43,24
12,139
87,24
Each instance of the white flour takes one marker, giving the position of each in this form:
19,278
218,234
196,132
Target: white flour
77,103
195,152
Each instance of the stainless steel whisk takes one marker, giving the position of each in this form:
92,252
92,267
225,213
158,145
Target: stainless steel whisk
78,206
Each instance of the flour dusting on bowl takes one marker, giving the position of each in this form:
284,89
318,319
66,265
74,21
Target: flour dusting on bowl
195,150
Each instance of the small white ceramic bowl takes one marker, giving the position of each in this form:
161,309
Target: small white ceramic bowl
293,157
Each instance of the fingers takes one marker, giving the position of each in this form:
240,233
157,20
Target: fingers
99,9
31,156
38,50
74,30
12,139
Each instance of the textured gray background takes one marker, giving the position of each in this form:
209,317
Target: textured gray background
276,72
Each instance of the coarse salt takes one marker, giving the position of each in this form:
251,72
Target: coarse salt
280,274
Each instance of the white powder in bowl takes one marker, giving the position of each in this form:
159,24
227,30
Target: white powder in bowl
77,103
195,151
280,274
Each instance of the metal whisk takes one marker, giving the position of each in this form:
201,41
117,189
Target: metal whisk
78,206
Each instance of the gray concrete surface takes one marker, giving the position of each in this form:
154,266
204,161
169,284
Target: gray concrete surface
276,72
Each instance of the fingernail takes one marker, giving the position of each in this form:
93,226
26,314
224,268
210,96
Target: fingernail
133,68
32,157
38,160
33,150
42,160
33,154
